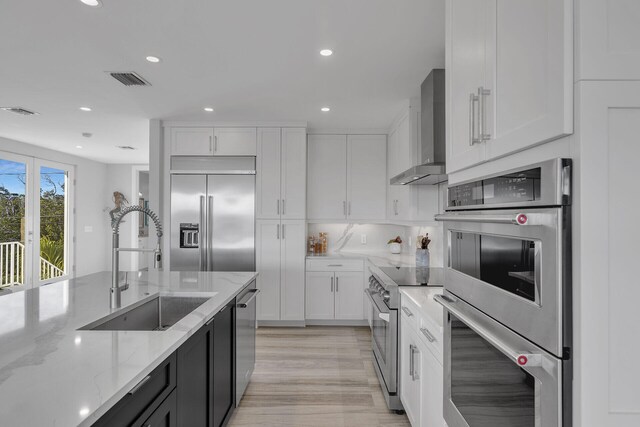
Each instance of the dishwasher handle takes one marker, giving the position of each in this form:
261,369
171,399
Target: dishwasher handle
245,304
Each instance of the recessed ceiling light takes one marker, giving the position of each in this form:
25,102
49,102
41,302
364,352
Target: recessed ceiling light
87,134
78,146
92,3
208,109
153,59
85,108
326,52
325,109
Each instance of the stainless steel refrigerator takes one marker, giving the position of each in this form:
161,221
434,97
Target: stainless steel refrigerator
213,214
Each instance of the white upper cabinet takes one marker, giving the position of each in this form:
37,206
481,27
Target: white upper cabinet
608,40
402,154
530,98
466,36
367,176
327,177
234,142
509,77
294,173
268,174
281,167
191,142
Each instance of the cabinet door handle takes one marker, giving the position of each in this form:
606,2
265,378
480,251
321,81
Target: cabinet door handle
284,227
215,144
332,284
407,311
482,96
411,360
210,144
284,207
278,206
138,386
349,208
337,283
473,100
278,231
414,373
428,334
344,207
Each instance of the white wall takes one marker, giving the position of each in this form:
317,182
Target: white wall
91,223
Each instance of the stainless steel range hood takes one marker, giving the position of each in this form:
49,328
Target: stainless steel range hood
432,167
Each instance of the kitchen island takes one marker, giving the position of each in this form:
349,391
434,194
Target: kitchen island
53,374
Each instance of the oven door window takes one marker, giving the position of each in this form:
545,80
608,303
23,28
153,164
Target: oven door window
380,332
487,388
507,263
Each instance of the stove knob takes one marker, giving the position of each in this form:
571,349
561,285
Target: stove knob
386,295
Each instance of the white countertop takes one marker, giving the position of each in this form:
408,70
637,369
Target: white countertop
51,374
422,297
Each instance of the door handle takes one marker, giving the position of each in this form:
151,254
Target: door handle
407,311
385,316
337,283
414,351
284,207
278,206
344,207
278,232
411,360
202,234
138,386
473,100
210,143
482,104
215,144
284,227
254,293
332,284
517,219
428,334
349,208
209,233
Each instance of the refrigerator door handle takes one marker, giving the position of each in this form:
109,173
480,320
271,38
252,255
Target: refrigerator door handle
202,244
209,233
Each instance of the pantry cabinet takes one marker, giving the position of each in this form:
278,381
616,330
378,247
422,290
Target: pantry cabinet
281,173
280,260
509,77
346,177
206,141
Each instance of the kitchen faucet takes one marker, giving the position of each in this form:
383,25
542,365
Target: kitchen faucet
116,288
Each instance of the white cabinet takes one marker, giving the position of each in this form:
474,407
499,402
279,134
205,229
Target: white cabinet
335,289
347,177
509,77
327,177
202,141
234,141
191,142
281,173
366,176
608,38
280,256
401,154
421,370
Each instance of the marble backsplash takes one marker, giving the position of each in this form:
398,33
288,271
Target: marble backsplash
348,238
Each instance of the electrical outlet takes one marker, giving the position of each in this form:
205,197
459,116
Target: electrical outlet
363,239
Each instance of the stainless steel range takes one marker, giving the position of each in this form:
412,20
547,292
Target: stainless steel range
384,294
507,299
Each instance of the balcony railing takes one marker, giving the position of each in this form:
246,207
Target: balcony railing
12,265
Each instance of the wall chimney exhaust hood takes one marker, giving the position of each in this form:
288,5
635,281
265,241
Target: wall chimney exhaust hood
432,167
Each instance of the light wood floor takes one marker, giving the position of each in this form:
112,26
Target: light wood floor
314,376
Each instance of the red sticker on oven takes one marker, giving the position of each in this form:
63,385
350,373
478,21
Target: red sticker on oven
522,219
522,360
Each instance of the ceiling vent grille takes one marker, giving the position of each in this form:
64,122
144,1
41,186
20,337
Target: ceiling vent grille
19,110
126,147
129,78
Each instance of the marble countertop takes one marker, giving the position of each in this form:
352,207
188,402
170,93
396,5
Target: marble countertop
423,299
52,374
379,258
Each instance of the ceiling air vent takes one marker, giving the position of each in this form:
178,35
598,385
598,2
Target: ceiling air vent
126,147
19,110
129,78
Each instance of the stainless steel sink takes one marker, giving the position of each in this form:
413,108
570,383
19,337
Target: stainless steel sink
156,314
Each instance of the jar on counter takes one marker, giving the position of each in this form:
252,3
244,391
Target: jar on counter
311,246
324,241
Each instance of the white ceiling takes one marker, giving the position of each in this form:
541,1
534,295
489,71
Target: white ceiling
249,59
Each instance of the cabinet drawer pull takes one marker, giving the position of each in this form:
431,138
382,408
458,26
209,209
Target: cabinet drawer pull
407,311
334,265
139,385
428,334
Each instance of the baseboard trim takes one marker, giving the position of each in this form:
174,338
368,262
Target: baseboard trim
337,322
282,323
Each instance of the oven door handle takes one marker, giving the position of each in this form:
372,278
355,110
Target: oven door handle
517,219
381,310
519,358
385,316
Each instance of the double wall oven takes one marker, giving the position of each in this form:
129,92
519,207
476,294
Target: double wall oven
507,299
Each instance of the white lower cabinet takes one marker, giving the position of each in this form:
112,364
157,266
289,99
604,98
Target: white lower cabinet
333,292
280,262
421,372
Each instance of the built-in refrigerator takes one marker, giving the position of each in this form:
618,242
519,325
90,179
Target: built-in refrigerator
213,214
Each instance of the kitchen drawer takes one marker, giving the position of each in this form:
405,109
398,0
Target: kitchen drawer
431,335
335,265
143,398
410,313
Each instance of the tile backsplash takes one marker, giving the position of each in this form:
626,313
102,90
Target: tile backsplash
348,238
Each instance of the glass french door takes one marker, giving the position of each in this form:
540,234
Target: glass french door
36,218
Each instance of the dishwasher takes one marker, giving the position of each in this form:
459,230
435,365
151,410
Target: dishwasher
245,338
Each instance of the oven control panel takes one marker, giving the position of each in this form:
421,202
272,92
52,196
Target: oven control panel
521,186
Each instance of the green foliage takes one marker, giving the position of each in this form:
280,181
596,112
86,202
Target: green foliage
52,251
